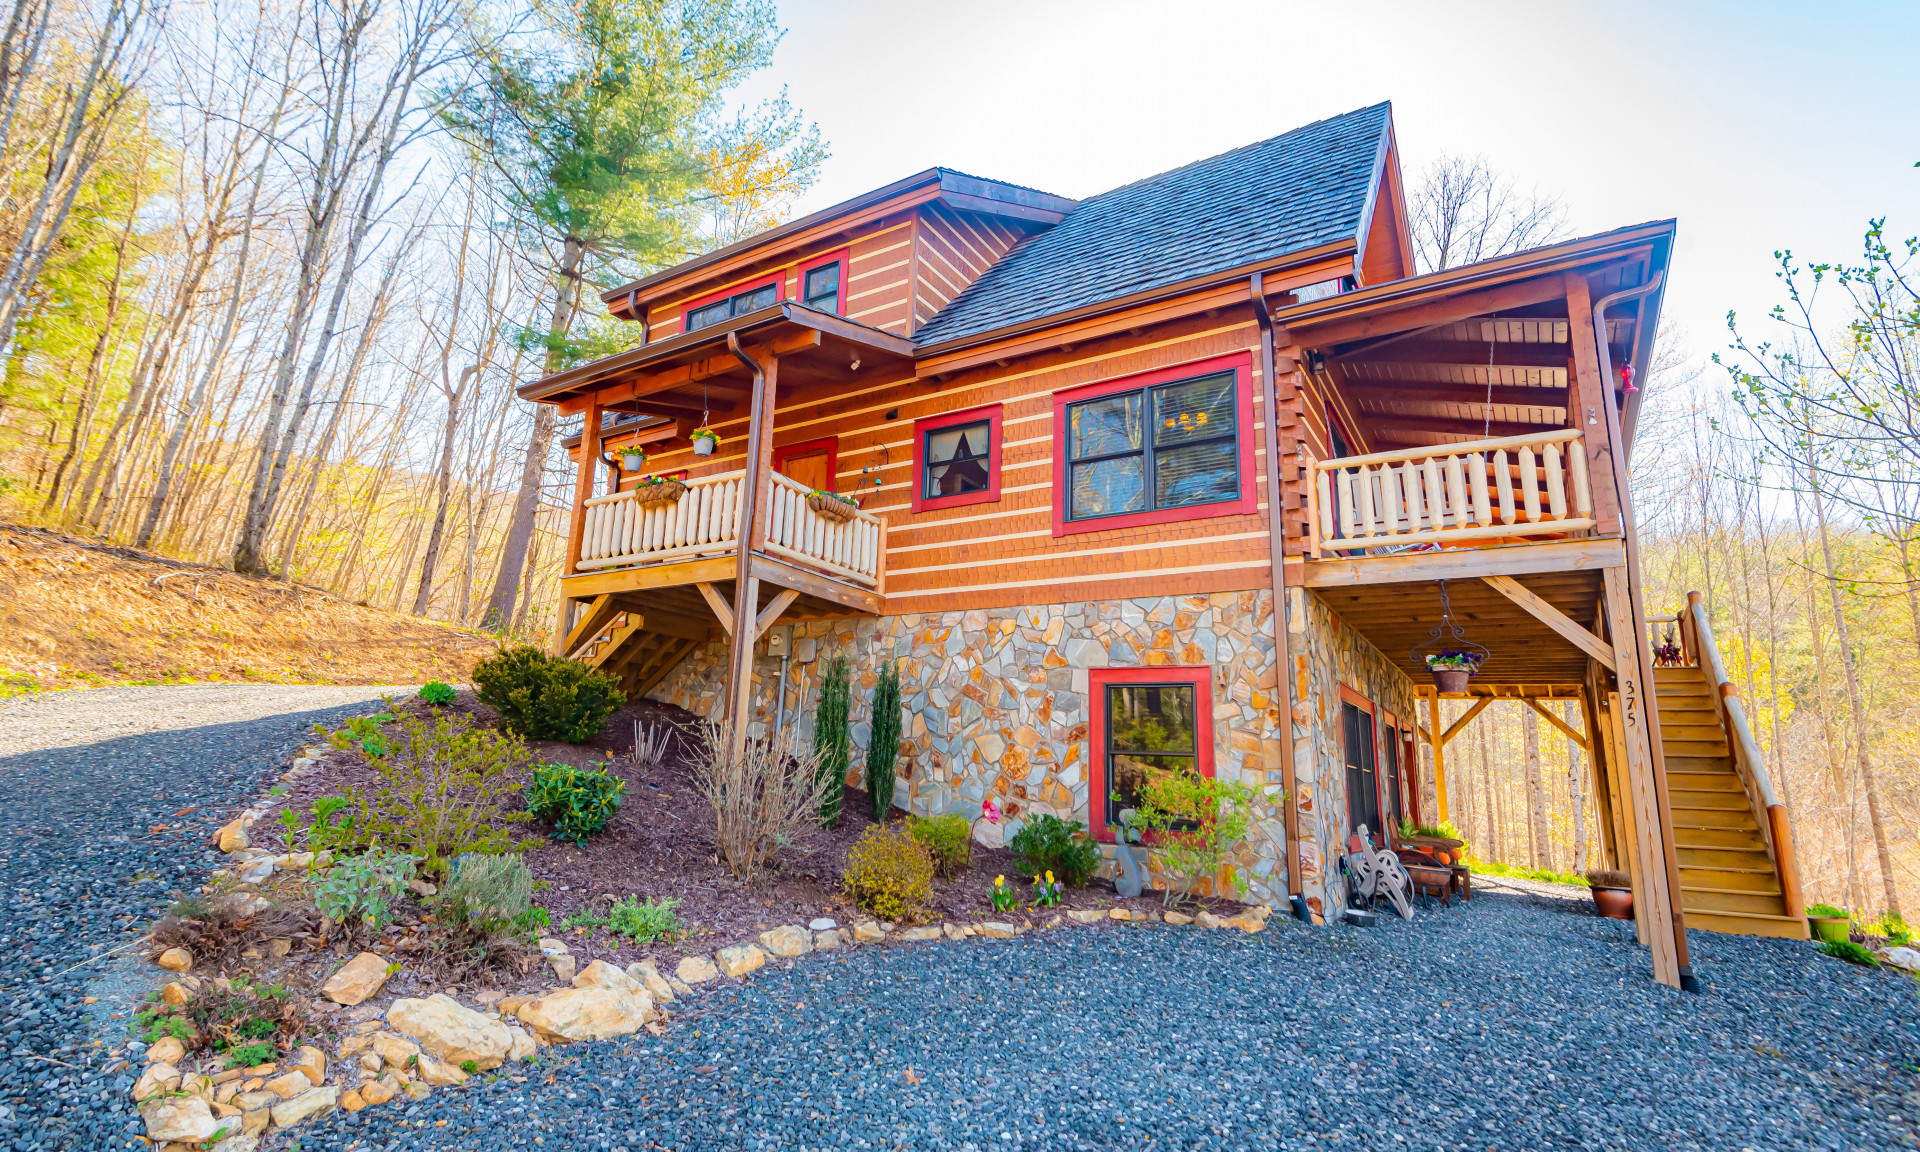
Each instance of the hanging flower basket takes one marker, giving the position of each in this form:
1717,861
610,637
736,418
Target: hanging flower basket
657,490
1450,658
1451,670
832,505
705,440
632,460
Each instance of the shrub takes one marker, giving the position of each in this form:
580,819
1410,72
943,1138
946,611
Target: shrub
357,890
544,697
1893,927
1050,844
582,918
487,891
764,801
948,840
883,745
577,801
643,921
437,692
442,792
888,874
832,747
1828,911
361,733
1850,952
247,1055
1196,821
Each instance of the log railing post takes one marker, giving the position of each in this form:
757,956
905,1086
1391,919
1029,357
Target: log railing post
754,487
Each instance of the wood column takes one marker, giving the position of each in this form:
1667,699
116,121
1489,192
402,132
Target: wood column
1634,858
753,502
1435,734
1653,828
583,482
1587,409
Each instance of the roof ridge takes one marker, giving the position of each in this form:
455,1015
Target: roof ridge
1234,151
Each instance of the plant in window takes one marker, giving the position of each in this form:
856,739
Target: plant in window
1004,898
883,745
832,746
705,440
1193,824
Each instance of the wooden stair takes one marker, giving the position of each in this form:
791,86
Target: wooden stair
639,657
1728,879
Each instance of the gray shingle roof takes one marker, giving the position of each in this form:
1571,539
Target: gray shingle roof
1296,191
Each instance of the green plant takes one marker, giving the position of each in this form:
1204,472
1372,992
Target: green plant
1046,892
1468,662
1194,822
1892,926
325,832
247,1055
1828,911
357,890
437,692
1609,878
831,742
887,873
359,732
470,1067
443,790
643,921
766,796
533,920
948,839
1050,844
577,801
239,1016
487,891
1441,831
1850,952
883,744
544,697
1004,899
582,918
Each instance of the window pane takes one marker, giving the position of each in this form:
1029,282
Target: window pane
1193,410
1129,775
753,301
823,288
956,460
1150,718
711,314
1198,474
1098,427
1108,486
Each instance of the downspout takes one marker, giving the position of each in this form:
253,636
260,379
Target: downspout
1622,489
1276,542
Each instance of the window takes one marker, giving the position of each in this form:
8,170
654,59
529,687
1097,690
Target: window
1363,785
956,459
1165,446
823,283
1390,771
1147,723
709,313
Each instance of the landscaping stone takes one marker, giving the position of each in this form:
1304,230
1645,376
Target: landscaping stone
1207,920
1178,918
417,1090
647,974
255,1121
439,1073
446,1029
287,1085
696,970
357,981
311,1061
352,1101
176,960
379,1091
395,1050
1086,916
256,872
954,931
914,935
166,1050
1906,959
586,1013
822,924
157,1078
790,940
307,1105
187,1119
550,946
867,932
233,836
562,967
521,1044
238,1142
601,974
740,959
826,941
250,1101
997,930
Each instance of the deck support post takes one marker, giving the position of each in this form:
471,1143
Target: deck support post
1438,739
746,587
583,481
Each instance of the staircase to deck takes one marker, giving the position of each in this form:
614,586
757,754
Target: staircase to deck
1731,876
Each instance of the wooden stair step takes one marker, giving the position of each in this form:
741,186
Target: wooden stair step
1721,838
1708,801
1730,880
1737,859
1721,900
1681,762
1749,924
1715,819
1725,781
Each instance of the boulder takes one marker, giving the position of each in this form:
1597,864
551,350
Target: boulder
826,941
250,1101
1086,916
562,967
307,1105
439,1073
740,960
233,837
996,930
354,1045
954,931
550,946
788,940
357,981
1179,918
311,1061
586,1013
445,1028
158,1078
918,934
175,960
867,932
397,1051
1120,914
370,1063
175,994
1902,958
1207,920
523,1047
696,970
822,924
237,1142
379,1091
256,871
601,974
352,1101
287,1085
1248,921
647,974
166,1050
255,1121
186,1119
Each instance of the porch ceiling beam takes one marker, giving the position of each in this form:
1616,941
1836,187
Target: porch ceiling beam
1589,555
1439,425
718,364
1572,735
1553,618
772,611
1473,395
718,603
1454,728
1465,353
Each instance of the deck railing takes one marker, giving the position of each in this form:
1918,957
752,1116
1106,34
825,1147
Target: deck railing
1532,485
705,521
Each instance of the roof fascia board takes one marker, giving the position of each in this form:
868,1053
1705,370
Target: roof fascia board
1375,185
960,184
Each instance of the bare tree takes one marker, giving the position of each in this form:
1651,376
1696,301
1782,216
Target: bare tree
1463,211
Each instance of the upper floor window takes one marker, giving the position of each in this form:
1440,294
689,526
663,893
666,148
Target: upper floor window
739,304
956,458
823,283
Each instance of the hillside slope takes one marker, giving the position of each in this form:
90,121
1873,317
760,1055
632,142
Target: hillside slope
79,614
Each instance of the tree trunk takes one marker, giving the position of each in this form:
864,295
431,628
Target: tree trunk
1492,844
1536,793
1574,789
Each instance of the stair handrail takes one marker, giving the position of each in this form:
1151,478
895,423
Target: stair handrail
1775,821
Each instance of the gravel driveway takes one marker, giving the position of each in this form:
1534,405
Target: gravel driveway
1519,1023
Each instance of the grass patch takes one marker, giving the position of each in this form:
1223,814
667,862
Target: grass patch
1514,871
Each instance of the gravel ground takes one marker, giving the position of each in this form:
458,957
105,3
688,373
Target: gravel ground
106,800
1517,1022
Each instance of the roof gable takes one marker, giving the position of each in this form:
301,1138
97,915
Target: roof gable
1294,192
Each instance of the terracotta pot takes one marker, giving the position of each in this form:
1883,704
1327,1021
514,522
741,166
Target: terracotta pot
1451,681
1830,929
1614,903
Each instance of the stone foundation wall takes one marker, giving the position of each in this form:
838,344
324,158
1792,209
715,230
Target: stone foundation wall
996,701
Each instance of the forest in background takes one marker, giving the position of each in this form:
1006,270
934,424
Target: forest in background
272,273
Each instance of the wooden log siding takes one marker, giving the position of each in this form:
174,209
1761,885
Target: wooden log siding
951,250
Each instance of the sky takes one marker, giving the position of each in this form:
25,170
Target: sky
1758,126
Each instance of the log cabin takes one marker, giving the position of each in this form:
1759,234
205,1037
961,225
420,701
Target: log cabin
1202,457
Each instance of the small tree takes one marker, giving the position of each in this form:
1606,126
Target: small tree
831,746
1193,822
884,745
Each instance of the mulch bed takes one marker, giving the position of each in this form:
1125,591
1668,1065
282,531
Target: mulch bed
660,844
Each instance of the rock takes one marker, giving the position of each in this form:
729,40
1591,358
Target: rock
1086,916
311,1061
679,986
234,837
352,1101
822,924
601,974
696,970
867,932
238,1142
187,1119
397,1051
278,947
255,1121
439,1073
357,981
252,1101
452,1032
647,975
198,1085
1207,920
417,1090
354,1045
522,1045
158,1078
1119,914
175,993
552,947
587,1013
307,1105
954,931
175,960
370,1063
914,935
256,871
1246,922
379,1091
562,967
1179,918
791,940
421,888
826,941
1903,958
287,1085
996,930
508,1005
740,959
166,1050
488,997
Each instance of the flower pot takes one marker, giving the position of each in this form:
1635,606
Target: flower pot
633,462
832,507
1451,681
703,445
1831,929
1614,903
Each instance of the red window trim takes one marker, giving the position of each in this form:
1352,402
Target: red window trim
989,412
1246,504
1198,675
808,448
777,279
842,258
